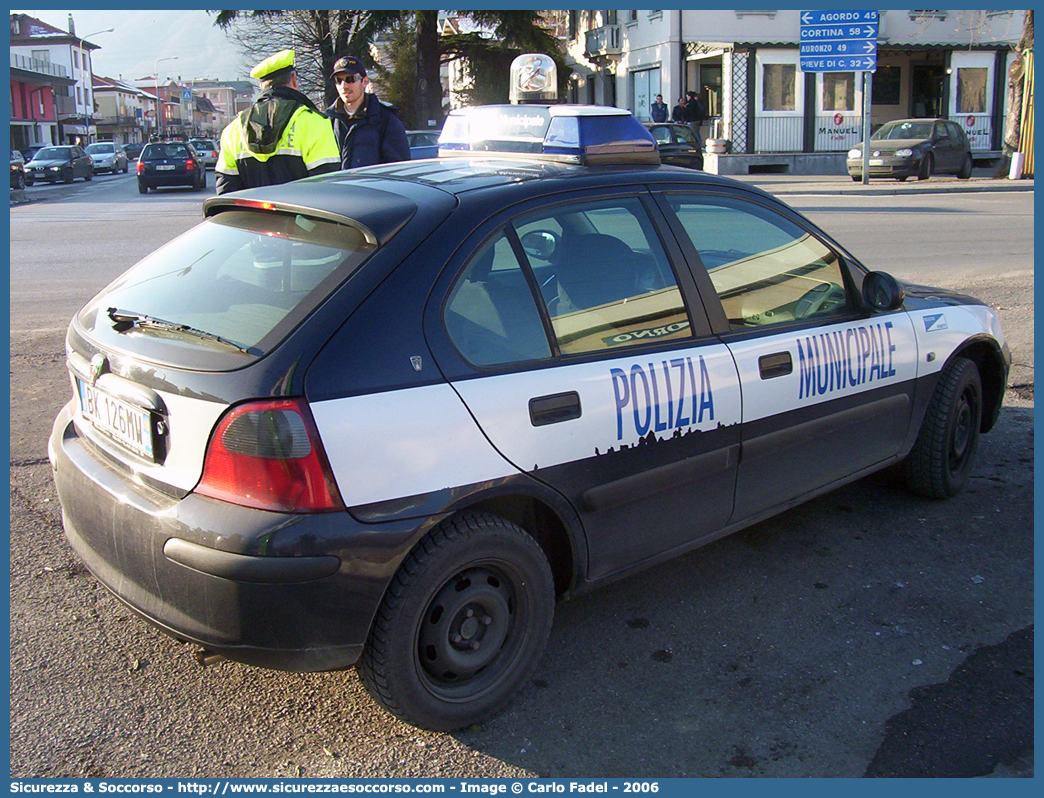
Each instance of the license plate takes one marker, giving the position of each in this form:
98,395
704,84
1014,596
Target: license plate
129,425
877,161
164,167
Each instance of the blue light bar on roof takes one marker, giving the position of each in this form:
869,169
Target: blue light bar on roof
585,134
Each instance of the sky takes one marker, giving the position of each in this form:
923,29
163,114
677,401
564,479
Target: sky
140,37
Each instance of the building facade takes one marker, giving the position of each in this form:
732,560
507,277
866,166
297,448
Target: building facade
744,65
37,88
37,42
121,111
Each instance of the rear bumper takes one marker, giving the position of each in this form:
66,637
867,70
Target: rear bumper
281,591
158,181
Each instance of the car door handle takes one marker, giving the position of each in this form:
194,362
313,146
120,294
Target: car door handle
775,365
554,408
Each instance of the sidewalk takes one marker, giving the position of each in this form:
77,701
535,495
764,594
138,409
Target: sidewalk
843,184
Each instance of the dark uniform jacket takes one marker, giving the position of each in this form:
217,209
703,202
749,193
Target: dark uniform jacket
281,137
376,135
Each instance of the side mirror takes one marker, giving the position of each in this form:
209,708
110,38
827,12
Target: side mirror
882,291
539,243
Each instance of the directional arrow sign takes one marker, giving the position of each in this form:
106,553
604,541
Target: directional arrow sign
838,41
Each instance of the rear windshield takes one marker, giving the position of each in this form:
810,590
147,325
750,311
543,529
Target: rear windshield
248,277
99,148
202,144
165,151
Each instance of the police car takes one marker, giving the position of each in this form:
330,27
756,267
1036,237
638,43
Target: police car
387,417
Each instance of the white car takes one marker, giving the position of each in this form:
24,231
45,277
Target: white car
108,157
206,150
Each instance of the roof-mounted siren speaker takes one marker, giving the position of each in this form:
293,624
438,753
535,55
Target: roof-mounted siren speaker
534,79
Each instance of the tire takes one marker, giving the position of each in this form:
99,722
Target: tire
196,185
143,189
462,626
966,168
903,179
88,177
203,184
857,178
126,167
68,177
927,164
941,458
21,182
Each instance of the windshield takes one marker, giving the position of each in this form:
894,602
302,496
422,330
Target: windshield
246,276
100,149
53,152
904,130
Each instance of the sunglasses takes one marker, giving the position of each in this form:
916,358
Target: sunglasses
349,79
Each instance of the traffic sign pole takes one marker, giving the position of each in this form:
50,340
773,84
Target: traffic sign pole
868,82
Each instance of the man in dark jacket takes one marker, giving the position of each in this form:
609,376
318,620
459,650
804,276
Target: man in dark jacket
367,130
658,110
281,137
678,113
693,112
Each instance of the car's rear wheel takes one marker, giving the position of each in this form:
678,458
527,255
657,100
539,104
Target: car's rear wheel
462,626
87,178
21,182
126,166
966,168
941,458
902,179
143,189
927,164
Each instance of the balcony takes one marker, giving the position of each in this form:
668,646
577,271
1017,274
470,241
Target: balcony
27,64
602,45
121,120
65,106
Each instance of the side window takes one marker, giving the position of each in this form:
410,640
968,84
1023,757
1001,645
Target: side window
765,269
491,315
603,276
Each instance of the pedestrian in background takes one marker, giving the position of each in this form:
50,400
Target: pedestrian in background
678,114
659,109
693,112
281,137
368,131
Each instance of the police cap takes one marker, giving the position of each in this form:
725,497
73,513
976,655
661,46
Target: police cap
267,69
349,64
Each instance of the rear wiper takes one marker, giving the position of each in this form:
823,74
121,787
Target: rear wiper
123,320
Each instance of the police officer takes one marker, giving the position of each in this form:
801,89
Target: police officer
281,137
368,130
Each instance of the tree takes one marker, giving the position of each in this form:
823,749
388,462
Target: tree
1016,82
321,36
398,84
317,37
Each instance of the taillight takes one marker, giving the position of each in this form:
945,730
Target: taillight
267,455
141,167
190,164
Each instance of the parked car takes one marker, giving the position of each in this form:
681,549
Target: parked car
31,150
677,144
62,163
170,163
207,150
133,151
17,170
423,143
385,417
108,157
905,148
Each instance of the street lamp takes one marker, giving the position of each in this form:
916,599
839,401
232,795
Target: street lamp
159,100
88,85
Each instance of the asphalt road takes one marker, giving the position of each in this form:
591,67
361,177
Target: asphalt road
865,633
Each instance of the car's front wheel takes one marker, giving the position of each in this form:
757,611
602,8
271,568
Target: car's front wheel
462,626
941,458
67,176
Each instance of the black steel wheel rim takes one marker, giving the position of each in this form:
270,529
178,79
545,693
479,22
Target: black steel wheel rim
472,631
963,429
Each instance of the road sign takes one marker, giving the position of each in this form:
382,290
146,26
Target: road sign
838,41
186,94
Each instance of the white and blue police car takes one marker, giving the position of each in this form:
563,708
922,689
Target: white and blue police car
386,417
